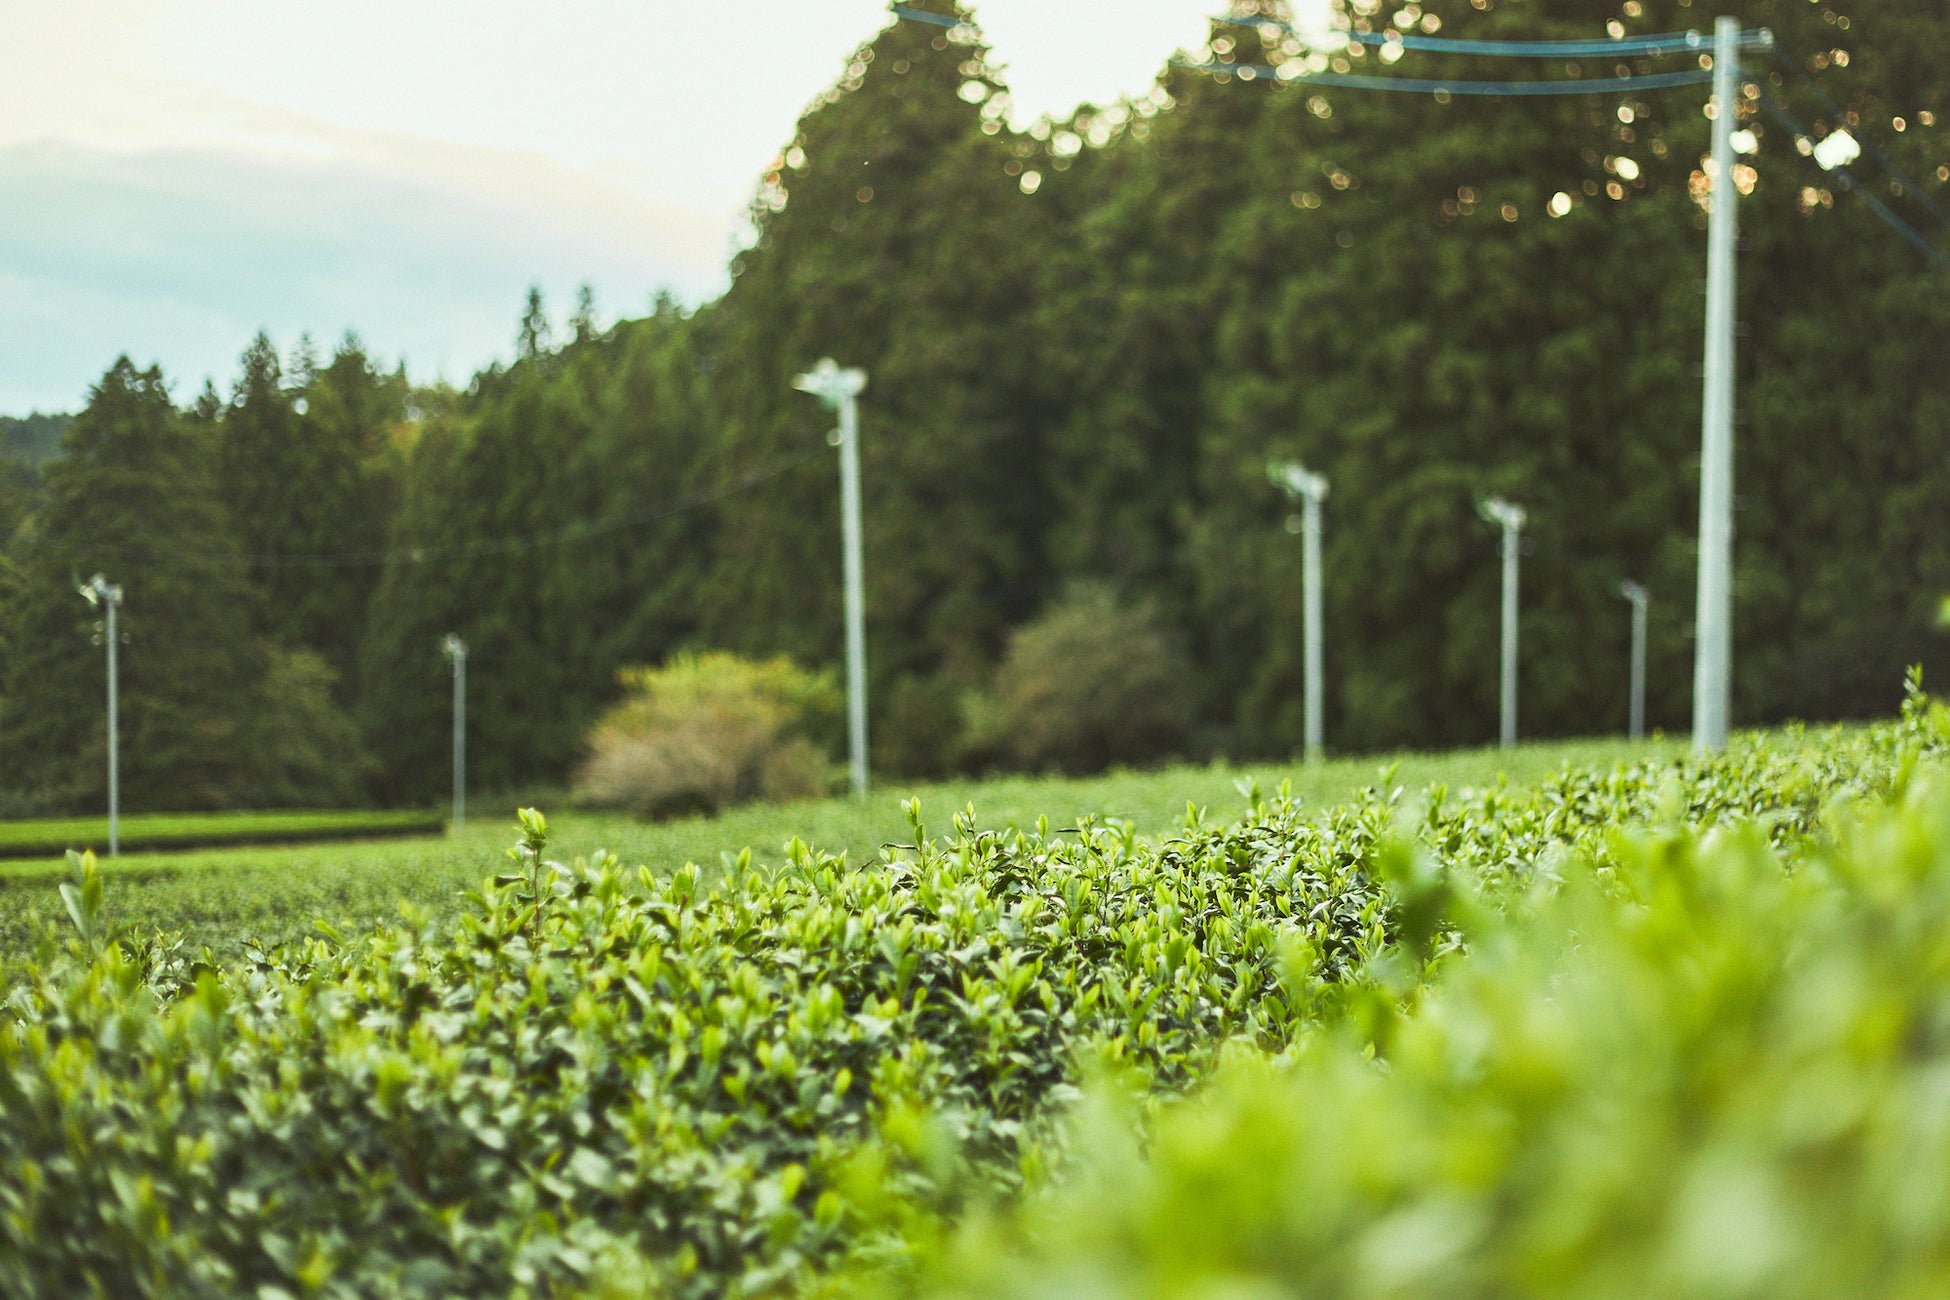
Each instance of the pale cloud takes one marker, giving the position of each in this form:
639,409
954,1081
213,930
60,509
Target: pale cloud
99,72
180,256
196,169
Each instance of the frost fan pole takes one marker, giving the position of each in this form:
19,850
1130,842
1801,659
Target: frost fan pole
1511,519
1713,647
1639,598
1310,490
840,390
98,591
456,650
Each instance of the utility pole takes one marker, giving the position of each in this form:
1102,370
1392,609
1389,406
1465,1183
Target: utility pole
1309,490
99,592
1511,518
1637,595
840,390
456,651
1713,647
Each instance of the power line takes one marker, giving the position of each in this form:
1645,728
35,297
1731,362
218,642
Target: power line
923,16
1623,47
1437,86
1608,85
581,530
144,641
1642,46
1848,182
1610,47
1910,187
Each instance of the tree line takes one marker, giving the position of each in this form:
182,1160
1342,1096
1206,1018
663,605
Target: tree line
1085,340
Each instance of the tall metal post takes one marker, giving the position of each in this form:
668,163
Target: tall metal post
1310,490
114,728
1713,649
1639,598
1511,519
456,650
839,390
100,592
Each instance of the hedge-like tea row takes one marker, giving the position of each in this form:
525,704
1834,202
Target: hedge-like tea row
604,1073
146,832
600,1048
1736,1085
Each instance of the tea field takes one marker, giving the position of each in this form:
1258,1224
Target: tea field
1626,1023
223,897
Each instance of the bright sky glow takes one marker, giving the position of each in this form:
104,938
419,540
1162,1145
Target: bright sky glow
180,173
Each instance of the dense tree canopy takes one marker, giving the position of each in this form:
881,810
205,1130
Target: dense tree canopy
133,489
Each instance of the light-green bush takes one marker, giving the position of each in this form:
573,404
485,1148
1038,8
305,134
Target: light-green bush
708,730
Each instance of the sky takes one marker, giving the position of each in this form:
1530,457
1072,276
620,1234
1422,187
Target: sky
176,175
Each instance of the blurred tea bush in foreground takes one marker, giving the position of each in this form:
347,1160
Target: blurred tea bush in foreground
1718,1067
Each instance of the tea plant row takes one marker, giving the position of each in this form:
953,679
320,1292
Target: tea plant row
600,1077
1716,1069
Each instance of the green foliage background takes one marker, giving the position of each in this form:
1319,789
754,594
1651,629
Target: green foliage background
1088,683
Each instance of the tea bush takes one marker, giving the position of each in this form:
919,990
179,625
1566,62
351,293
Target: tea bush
231,898
1733,1085
603,1077
708,730
595,1048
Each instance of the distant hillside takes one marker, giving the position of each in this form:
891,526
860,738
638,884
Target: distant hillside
34,439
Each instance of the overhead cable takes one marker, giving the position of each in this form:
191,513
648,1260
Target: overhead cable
923,16
1849,183
1608,47
1437,86
1840,114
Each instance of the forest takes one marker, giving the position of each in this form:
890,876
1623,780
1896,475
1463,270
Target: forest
1085,340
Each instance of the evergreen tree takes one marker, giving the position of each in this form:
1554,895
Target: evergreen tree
533,339
260,466
1085,341
32,440
11,586
350,428
132,496
19,492
1402,312
896,233
1132,313
582,323
1843,457
555,519
309,468
402,708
